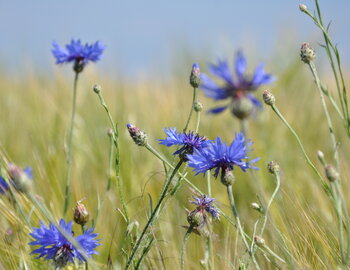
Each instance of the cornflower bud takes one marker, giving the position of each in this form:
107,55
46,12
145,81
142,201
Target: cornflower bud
259,241
331,173
268,98
273,167
97,88
81,215
242,107
307,53
197,106
303,8
195,76
138,136
21,180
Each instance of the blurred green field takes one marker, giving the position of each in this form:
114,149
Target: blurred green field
34,120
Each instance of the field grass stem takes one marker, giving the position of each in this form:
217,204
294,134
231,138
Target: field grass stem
70,146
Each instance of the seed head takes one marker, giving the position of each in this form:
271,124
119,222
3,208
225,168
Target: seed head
331,173
139,137
97,88
273,167
110,132
81,215
21,178
195,78
269,98
307,53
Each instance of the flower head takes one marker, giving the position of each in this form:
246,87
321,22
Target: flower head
217,155
188,141
78,53
238,88
54,245
198,217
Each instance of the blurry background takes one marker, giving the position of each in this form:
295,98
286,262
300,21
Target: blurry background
143,37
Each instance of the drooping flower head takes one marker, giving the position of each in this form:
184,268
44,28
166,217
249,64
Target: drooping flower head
188,142
217,155
56,247
198,217
78,53
238,88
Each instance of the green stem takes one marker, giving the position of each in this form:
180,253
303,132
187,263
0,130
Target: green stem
70,145
195,91
278,184
110,167
329,120
153,215
239,226
308,161
183,249
115,136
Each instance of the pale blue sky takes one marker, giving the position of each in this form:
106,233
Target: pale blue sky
144,36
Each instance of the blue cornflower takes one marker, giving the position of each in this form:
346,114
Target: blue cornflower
234,88
78,53
188,141
198,217
56,247
219,156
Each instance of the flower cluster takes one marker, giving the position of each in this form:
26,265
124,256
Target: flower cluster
78,53
55,246
219,156
238,89
188,141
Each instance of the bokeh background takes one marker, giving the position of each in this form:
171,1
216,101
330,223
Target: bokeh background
144,37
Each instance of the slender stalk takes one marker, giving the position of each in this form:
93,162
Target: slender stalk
239,226
329,120
195,91
308,160
278,184
183,249
70,145
115,136
209,242
153,215
110,167
256,181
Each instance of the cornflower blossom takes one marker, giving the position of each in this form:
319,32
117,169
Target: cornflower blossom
55,246
198,217
217,155
78,53
187,141
238,89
